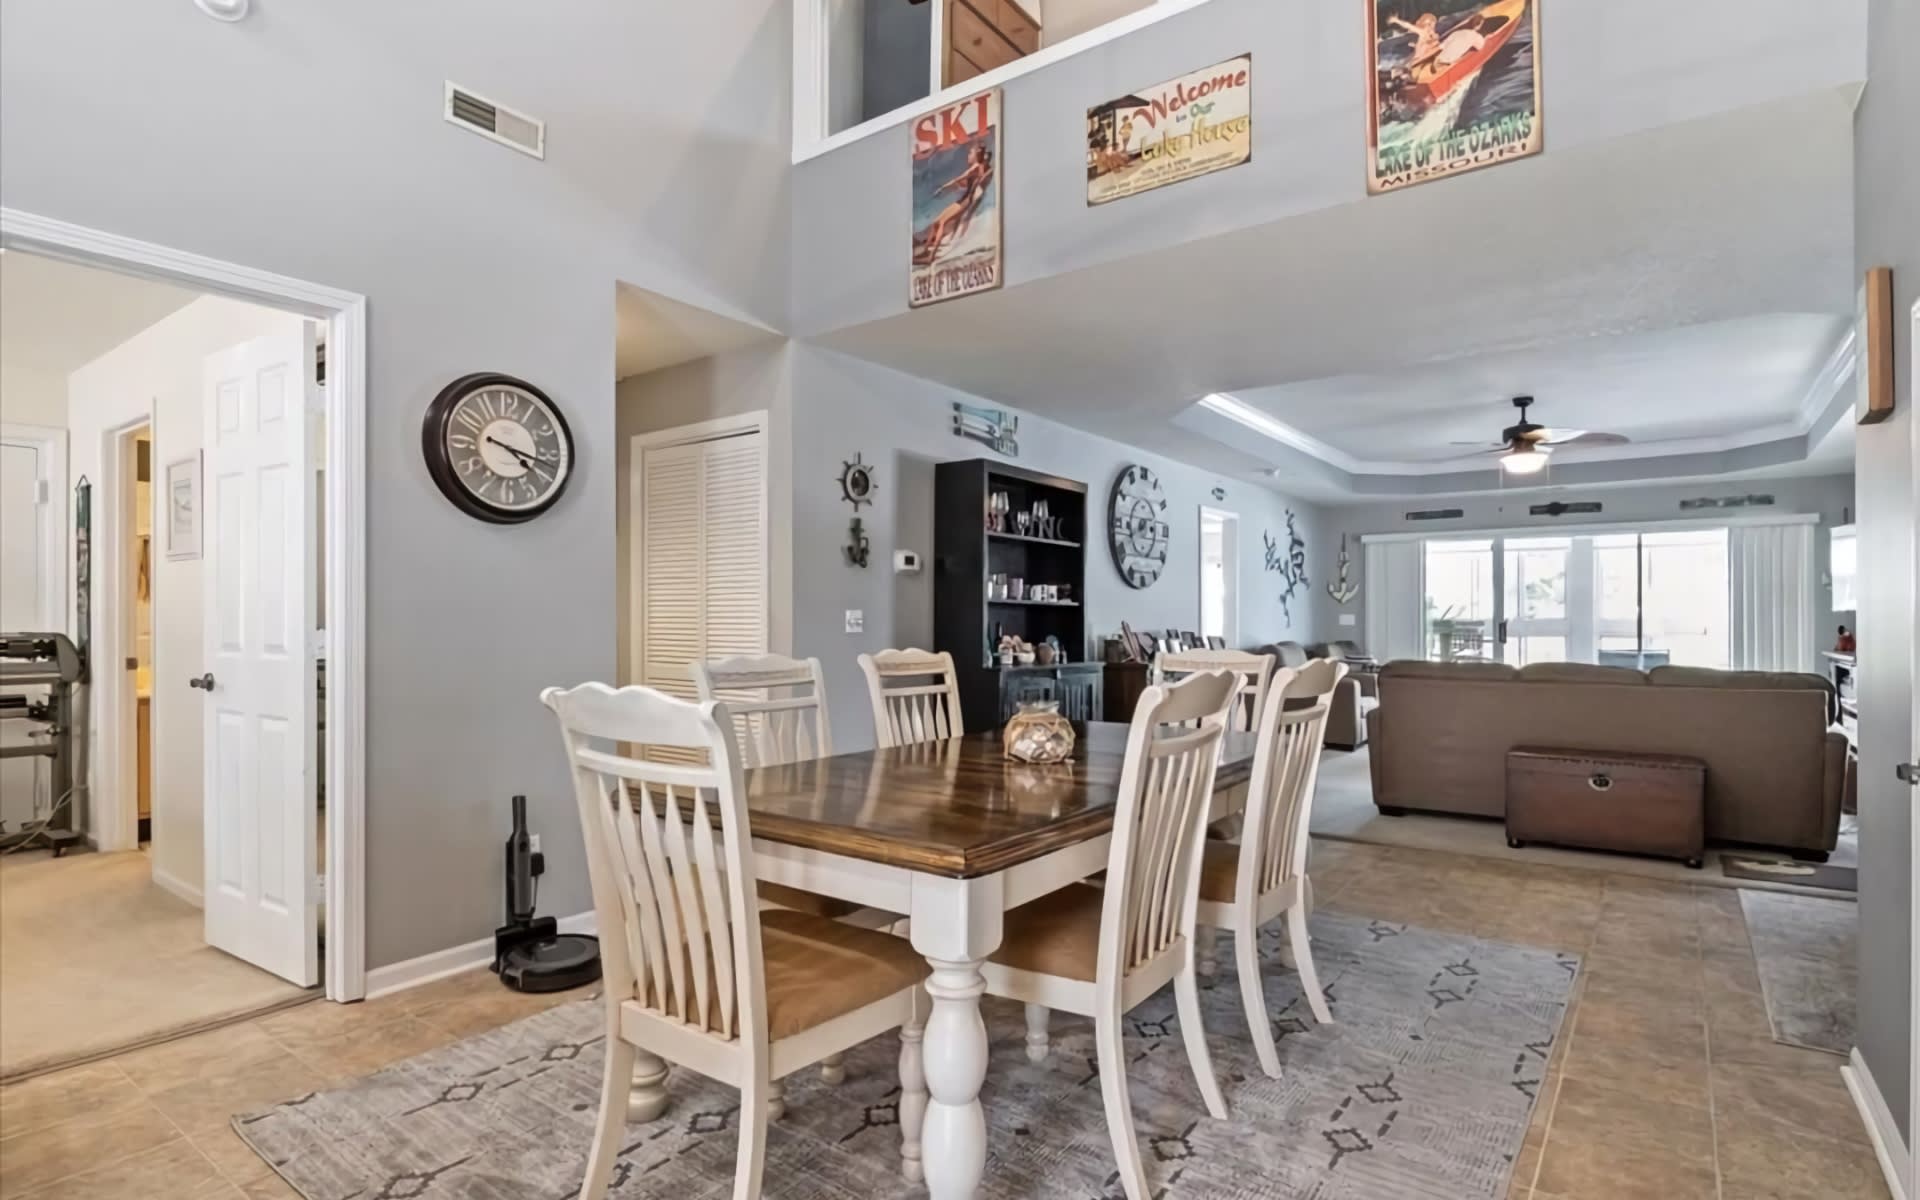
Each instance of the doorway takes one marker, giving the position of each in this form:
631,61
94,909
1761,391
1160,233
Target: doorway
1220,576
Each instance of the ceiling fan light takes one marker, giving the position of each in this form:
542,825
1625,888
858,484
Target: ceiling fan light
1524,460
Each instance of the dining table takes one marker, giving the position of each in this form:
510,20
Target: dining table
950,834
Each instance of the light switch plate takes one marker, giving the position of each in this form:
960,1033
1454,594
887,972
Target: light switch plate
1348,619
856,620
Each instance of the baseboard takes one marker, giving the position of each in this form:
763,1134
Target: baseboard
1888,1144
398,977
178,887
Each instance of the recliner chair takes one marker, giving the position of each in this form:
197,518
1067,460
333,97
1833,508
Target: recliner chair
1357,695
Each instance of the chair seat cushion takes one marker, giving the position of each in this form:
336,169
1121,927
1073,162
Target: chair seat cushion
817,969
806,902
1219,871
1058,934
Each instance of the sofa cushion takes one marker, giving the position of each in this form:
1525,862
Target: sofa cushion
1413,668
1288,654
1560,672
1745,681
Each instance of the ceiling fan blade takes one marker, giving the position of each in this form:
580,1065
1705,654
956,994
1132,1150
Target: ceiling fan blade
1581,437
1542,435
1482,442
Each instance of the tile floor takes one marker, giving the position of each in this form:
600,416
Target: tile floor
1666,1082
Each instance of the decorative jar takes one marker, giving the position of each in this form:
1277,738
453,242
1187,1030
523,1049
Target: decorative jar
1038,734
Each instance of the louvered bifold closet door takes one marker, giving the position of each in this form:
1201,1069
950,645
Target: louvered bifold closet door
704,573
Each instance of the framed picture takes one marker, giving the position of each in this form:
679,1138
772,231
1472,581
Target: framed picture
1181,129
1873,377
182,482
956,201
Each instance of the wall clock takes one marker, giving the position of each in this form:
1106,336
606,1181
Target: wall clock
1137,526
497,447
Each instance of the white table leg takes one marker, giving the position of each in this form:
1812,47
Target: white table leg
956,926
648,1099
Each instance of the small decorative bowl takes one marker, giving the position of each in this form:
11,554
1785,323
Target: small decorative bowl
1038,734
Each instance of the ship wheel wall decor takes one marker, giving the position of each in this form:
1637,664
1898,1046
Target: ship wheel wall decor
1137,526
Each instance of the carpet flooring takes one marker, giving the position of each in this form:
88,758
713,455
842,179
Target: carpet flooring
1805,950
1343,811
94,958
1423,1087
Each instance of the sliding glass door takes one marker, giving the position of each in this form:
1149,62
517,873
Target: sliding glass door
1618,599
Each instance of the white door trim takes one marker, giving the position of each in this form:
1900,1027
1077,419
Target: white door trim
114,798
1913,916
346,550
679,435
1230,561
53,517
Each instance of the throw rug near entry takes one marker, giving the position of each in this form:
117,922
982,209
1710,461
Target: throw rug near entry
1422,1088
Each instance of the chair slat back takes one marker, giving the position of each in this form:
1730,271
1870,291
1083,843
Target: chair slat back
1166,792
1286,765
1253,670
779,706
916,696
673,887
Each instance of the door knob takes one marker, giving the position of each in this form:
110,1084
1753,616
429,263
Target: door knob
204,683
1908,773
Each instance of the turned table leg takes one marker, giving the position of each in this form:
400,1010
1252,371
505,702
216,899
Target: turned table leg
647,1101
956,927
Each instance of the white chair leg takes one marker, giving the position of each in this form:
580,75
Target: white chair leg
833,1070
757,1096
1253,996
913,1093
1037,1037
1303,962
610,1126
776,1105
1110,1053
1186,993
1206,956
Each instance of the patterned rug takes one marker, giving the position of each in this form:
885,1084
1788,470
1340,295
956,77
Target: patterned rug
1805,949
1422,1088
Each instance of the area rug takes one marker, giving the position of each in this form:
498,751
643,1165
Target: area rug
1805,949
1422,1088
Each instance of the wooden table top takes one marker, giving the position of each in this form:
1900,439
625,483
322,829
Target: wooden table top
956,808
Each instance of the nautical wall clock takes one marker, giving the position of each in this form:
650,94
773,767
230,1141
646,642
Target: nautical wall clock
1137,526
497,447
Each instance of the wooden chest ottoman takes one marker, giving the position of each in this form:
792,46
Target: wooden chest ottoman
1652,804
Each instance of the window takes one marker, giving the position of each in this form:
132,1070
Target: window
1219,575
1844,568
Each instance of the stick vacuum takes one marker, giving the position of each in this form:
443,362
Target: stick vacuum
530,954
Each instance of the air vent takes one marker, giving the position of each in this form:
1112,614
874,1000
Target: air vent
490,120
1436,514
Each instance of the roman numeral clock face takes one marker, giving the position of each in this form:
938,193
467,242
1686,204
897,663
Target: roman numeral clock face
497,447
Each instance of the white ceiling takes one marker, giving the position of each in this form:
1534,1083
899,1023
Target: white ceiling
56,317
1682,282
653,331
1694,382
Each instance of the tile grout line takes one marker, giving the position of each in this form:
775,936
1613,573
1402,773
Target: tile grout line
1706,1015
1553,1105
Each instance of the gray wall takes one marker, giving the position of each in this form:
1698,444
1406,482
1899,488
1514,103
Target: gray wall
308,141
852,206
1831,496
902,425
1887,233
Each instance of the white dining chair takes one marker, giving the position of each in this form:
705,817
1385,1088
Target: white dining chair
915,694
1255,672
1101,952
1243,887
692,971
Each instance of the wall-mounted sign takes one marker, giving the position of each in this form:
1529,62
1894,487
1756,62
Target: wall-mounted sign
956,201
1180,129
1453,85
993,428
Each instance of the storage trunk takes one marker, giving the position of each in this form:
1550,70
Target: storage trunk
1651,804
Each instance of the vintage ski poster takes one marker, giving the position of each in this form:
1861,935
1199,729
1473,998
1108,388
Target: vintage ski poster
956,201
1454,86
1180,129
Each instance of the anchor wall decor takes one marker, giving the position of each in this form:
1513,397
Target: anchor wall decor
1343,589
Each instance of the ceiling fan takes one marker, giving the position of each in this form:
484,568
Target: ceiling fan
1524,446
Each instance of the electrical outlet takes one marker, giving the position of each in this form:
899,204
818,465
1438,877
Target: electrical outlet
856,620
536,843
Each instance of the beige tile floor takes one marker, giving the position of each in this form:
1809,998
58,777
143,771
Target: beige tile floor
1665,1083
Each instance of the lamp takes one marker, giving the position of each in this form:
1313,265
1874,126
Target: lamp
1524,459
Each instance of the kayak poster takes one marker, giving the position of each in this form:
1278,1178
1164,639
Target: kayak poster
956,201
1454,85
1180,129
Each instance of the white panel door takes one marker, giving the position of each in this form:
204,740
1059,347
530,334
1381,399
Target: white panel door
259,535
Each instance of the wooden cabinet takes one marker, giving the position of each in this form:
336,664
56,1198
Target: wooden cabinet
984,34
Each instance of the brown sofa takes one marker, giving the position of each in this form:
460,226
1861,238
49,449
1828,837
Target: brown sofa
1352,700
1776,773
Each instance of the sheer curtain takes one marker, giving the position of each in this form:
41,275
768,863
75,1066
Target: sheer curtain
1395,599
1771,588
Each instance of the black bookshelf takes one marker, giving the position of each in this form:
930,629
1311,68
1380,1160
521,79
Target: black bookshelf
968,621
